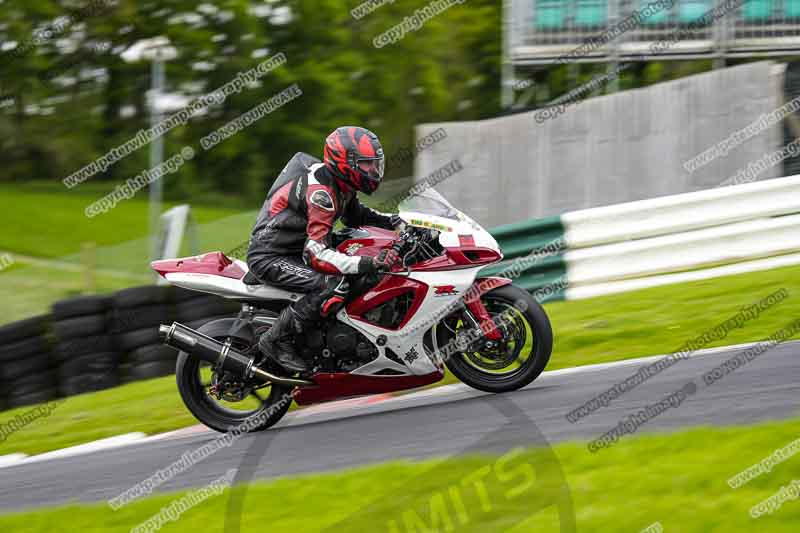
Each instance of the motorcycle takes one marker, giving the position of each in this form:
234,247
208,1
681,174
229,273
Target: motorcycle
397,330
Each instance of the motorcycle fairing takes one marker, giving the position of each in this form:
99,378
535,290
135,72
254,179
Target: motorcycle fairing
407,342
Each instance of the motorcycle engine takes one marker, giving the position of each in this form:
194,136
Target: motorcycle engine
336,347
342,339
350,347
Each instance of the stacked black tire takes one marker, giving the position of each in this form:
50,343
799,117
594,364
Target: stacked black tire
90,343
137,314
86,358
140,310
26,375
195,309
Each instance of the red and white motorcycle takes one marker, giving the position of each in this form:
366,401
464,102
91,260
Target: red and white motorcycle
397,331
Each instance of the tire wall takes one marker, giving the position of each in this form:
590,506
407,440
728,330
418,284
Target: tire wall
90,343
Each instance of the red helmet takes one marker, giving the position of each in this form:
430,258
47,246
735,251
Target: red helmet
355,156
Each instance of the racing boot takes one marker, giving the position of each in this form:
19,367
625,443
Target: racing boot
277,343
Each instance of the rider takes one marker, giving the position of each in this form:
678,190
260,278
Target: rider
291,243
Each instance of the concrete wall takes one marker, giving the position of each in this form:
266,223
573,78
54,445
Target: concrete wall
606,150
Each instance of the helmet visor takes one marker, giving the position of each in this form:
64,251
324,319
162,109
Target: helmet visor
371,167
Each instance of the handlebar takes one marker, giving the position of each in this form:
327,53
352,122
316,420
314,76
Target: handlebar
412,240
404,238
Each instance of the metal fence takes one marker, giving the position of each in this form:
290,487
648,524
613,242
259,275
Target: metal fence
541,31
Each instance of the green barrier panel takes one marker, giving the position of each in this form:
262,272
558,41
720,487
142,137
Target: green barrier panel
525,266
533,253
521,238
692,10
526,226
551,14
757,10
661,16
545,289
591,13
791,9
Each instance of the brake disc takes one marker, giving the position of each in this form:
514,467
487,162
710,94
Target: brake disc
496,355
228,390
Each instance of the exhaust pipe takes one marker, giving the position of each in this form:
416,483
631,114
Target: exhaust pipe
218,354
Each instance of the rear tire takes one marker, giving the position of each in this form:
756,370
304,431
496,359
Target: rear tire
538,354
207,410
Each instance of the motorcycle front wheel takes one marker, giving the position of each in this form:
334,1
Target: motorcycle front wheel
507,364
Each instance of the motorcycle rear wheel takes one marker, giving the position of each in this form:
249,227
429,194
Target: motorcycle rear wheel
522,353
261,409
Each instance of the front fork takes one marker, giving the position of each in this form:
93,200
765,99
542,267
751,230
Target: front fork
479,318
476,313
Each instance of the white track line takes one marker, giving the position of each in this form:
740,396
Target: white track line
460,387
650,359
11,459
81,449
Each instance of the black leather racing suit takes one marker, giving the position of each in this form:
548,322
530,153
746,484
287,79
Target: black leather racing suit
291,244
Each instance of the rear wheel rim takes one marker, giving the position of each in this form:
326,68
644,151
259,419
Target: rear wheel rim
257,399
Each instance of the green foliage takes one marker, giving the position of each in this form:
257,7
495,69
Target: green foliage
70,99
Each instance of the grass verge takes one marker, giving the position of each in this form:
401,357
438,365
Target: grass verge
660,319
43,219
28,289
677,480
46,220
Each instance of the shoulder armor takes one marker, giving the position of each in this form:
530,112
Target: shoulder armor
321,198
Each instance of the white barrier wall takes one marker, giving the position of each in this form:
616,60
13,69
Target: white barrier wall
607,150
681,212
682,238
730,243
599,289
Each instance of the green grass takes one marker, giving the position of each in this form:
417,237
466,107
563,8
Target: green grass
31,285
150,406
678,479
610,328
27,289
47,220
659,320
42,223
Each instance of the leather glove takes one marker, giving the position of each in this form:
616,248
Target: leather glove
387,259
382,263
397,224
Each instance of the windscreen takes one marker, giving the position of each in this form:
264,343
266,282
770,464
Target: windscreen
430,202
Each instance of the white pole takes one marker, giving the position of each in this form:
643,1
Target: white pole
507,72
156,156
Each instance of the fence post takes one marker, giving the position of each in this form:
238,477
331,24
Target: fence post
89,261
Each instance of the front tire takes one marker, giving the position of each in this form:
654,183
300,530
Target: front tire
527,357
220,415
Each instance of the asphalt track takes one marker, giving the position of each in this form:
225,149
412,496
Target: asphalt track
442,423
